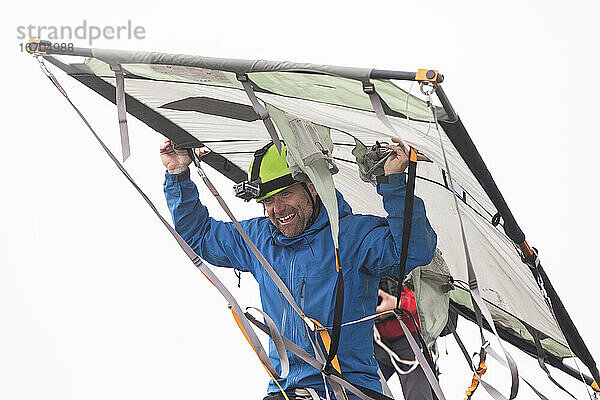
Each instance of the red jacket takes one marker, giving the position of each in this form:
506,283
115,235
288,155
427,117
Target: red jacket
390,328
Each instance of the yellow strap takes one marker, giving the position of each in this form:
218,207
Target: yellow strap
239,324
327,342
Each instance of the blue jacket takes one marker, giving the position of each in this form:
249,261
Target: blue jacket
369,248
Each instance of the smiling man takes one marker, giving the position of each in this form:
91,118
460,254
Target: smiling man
296,240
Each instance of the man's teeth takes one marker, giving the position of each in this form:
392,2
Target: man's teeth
286,218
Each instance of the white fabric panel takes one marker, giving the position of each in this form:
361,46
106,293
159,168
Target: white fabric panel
504,280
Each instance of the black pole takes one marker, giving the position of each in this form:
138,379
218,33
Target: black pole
464,145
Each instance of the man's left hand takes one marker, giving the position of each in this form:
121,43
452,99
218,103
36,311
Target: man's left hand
388,302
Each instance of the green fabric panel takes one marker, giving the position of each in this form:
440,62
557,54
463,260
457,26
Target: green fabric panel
340,91
320,88
510,322
431,285
400,101
99,68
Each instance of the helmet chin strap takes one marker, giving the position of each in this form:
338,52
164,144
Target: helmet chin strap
316,205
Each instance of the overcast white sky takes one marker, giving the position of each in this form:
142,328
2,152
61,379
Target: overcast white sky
96,300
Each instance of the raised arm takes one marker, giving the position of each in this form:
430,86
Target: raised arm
215,241
380,251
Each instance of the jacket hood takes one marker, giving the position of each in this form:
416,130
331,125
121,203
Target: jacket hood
322,222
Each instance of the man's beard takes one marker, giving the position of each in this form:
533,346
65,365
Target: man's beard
298,223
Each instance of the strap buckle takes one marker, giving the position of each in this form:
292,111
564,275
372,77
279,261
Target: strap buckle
368,87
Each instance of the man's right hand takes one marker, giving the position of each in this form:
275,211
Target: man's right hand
173,162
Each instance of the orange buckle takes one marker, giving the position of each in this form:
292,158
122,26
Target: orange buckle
426,75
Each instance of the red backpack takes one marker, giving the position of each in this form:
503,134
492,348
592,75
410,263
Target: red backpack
390,328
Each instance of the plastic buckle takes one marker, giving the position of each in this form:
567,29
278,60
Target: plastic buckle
241,77
368,87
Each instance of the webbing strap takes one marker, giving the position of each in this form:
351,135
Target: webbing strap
327,343
479,306
260,110
476,379
337,389
279,182
429,374
498,358
337,312
258,156
121,109
263,261
540,357
277,340
409,200
369,88
490,389
330,344
376,103
207,272
335,377
338,309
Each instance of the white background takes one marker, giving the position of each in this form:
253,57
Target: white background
96,300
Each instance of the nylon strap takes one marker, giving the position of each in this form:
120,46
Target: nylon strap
338,390
332,343
337,312
260,110
376,103
493,354
282,181
277,339
429,374
479,306
267,266
121,109
540,357
336,377
309,322
207,272
258,156
498,358
409,200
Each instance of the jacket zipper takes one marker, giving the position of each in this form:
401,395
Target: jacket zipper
284,317
293,326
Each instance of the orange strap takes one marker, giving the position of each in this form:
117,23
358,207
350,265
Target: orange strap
475,381
239,324
327,342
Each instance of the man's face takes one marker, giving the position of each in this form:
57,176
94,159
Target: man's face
290,209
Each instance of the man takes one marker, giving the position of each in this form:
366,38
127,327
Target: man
296,240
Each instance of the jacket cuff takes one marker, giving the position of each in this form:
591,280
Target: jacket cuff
174,178
394,181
